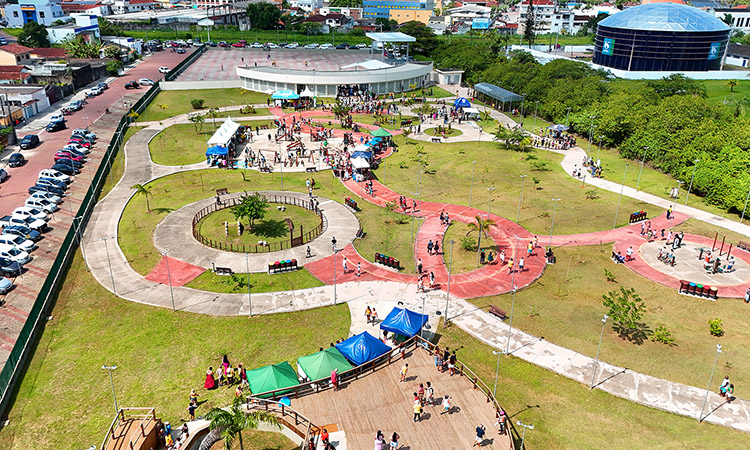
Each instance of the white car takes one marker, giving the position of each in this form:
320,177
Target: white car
57,118
326,46
95,91
27,211
313,45
49,196
84,132
256,45
360,45
146,81
163,69
77,147
18,242
272,45
54,175
41,204
14,254
292,45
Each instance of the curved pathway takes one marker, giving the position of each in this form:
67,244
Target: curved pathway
110,267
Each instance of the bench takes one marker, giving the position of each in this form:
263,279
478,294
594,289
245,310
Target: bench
224,271
351,203
264,127
744,245
497,312
222,191
311,169
436,140
265,169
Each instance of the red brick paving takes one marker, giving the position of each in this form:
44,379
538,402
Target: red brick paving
180,272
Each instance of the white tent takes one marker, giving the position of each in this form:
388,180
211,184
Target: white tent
361,148
368,65
471,111
307,93
225,133
360,163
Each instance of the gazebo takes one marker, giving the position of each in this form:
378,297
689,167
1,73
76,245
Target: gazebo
497,93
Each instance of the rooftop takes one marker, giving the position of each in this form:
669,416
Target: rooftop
16,49
668,17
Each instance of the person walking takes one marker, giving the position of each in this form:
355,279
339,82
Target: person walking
417,411
345,265
394,441
480,435
374,316
404,371
724,386
368,313
669,212
335,379
419,266
447,404
521,263
359,268
430,399
510,265
379,441
432,280
191,410
501,422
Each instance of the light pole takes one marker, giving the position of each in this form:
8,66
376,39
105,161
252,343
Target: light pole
480,224
473,166
536,108
421,330
643,160
513,302
333,243
743,209
710,380
112,382
448,293
591,133
79,237
599,149
489,209
554,210
249,300
520,199
413,214
111,275
596,364
523,436
691,180
567,117
622,186
169,277
497,370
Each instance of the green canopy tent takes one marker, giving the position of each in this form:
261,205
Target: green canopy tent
271,378
381,132
320,365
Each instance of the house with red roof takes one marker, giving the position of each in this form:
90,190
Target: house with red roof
14,55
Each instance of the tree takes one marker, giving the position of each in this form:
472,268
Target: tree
481,226
263,15
340,111
426,41
141,189
731,84
347,3
311,28
251,207
530,24
626,309
112,51
107,28
77,47
114,66
197,120
727,19
234,420
387,24
357,32
677,84
33,35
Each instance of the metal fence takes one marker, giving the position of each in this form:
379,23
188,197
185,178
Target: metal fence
254,248
23,347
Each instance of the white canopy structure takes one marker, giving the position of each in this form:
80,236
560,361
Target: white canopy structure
360,163
391,37
225,133
307,93
471,111
368,65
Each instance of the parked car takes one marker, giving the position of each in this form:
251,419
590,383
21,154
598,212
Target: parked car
293,45
211,44
85,132
361,45
66,169
79,141
271,45
23,231
224,44
256,45
51,182
54,175
74,149
43,205
28,211
342,46
146,82
104,86
75,105
326,46
57,191
21,242
93,92
34,224
29,141
5,284
55,126
181,51
3,175
68,162
10,268
57,118
163,69
132,85
16,160
313,45
239,45
14,254
46,196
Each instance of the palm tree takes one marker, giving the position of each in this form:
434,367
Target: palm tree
133,115
234,420
481,226
213,113
731,84
143,190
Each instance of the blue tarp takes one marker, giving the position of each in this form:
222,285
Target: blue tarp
285,94
404,322
366,155
217,150
361,348
461,102
558,127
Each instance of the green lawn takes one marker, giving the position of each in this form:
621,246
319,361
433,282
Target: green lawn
272,228
386,231
450,133
259,282
118,164
173,103
495,166
464,260
394,122
565,306
569,415
65,400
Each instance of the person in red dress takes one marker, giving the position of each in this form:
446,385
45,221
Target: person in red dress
210,381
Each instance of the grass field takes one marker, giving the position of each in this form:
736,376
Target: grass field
496,166
450,133
463,260
569,415
259,282
65,401
272,228
565,306
173,103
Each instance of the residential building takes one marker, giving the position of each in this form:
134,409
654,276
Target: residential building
739,15
40,11
468,12
381,8
332,20
15,55
86,25
352,13
543,11
14,75
30,99
88,7
738,55
48,54
409,15
307,5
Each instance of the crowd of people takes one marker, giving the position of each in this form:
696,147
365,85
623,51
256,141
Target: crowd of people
554,140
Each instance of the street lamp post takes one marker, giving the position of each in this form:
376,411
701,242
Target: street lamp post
554,210
567,117
448,293
591,134
745,208
497,370
112,382
480,223
536,108
622,187
643,161
513,302
249,300
471,190
520,199
79,236
596,364
333,243
691,180
710,380
489,209
169,277
109,261
523,436
599,149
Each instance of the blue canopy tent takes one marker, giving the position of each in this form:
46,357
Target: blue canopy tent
217,150
366,155
404,322
558,127
461,102
361,348
285,94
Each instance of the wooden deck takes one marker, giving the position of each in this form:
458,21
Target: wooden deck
128,430
379,402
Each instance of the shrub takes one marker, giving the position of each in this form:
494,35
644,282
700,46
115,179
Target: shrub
592,194
469,244
539,166
661,334
113,67
610,276
715,327
197,103
403,165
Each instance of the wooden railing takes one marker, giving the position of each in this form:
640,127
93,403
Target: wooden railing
294,241
146,420
308,431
